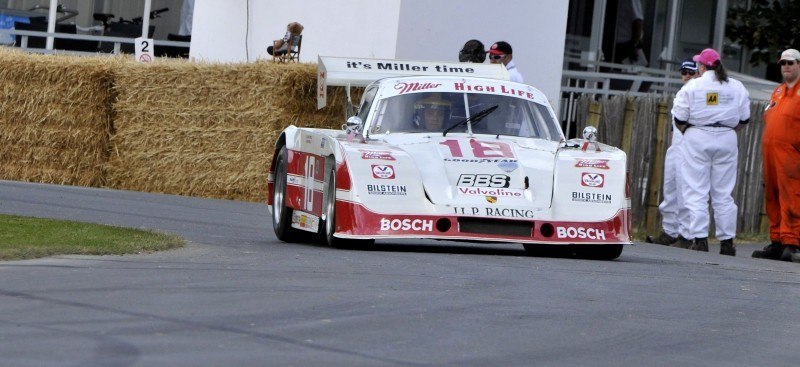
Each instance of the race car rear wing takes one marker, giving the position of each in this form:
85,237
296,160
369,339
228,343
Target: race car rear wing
355,72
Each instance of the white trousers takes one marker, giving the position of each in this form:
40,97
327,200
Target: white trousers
710,158
674,213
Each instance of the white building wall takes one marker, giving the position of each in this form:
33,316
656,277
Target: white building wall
405,29
359,28
536,29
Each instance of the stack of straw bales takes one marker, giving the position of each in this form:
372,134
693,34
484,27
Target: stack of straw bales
173,126
54,118
207,129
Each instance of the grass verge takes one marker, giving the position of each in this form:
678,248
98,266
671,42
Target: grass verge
28,238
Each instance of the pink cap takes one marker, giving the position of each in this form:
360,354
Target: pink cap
707,57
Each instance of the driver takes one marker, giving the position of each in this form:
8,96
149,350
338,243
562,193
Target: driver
431,112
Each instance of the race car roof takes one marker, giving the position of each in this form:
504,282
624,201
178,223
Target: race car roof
358,72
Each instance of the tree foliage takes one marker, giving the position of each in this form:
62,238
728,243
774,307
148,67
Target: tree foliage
766,28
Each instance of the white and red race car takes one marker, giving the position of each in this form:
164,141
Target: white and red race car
447,151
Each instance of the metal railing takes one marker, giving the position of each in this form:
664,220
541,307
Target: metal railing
116,41
606,79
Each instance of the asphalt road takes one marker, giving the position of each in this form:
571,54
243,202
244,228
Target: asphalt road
236,296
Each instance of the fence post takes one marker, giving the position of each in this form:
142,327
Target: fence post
655,183
764,223
595,111
627,125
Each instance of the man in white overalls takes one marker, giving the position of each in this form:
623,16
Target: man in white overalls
674,214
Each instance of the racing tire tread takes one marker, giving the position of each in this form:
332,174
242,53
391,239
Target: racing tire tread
328,226
281,214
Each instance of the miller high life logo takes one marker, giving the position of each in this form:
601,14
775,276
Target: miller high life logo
592,163
377,154
413,87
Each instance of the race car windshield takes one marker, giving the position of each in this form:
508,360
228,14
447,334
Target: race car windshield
450,112
474,119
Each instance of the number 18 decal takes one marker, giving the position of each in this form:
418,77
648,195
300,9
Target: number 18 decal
480,149
308,190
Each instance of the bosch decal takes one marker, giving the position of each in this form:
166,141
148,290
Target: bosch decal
484,180
593,179
377,154
580,233
387,189
592,163
406,224
383,172
591,197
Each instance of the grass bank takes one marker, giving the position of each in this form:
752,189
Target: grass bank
28,238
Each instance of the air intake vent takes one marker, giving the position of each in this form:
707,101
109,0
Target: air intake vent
495,227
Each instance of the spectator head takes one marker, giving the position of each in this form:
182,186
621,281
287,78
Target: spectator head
472,51
500,52
294,28
790,54
688,69
790,65
708,58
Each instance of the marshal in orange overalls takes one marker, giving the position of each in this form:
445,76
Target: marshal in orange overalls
782,164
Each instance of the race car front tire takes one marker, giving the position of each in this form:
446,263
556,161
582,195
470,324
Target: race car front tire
281,214
328,227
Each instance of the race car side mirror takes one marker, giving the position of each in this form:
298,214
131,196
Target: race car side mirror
590,138
353,124
590,133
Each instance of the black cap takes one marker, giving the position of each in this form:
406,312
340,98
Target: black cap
500,48
689,64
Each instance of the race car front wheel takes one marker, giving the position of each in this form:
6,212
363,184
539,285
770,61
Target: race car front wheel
328,227
281,215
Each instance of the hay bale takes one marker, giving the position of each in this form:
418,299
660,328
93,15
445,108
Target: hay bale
54,114
207,129
173,126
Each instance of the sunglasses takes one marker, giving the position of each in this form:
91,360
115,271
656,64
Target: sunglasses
687,72
496,57
786,62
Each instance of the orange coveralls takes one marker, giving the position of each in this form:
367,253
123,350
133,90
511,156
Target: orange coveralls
781,149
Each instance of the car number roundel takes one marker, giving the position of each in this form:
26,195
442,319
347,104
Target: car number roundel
382,171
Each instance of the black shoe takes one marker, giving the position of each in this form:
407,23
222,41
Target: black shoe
726,247
790,253
662,239
773,251
700,244
682,242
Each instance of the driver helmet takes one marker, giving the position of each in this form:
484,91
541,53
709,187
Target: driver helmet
432,101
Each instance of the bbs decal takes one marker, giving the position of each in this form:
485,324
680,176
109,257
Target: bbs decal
484,180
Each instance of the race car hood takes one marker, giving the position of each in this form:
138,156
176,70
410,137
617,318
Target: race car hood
462,170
